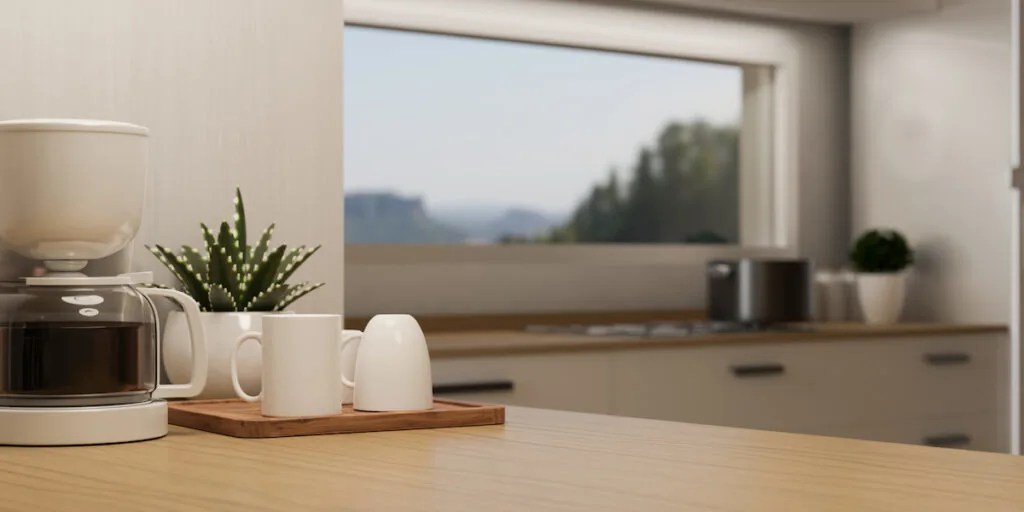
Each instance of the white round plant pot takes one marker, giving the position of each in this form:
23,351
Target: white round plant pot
222,329
881,296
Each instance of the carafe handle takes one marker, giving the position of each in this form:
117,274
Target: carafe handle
197,338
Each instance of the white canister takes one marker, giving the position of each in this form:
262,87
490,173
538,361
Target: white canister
834,291
830,296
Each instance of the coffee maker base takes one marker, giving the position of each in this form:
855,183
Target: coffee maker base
67,426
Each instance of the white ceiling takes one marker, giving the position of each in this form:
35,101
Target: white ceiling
827,11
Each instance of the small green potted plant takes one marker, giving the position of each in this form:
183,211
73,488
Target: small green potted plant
881,258
235,284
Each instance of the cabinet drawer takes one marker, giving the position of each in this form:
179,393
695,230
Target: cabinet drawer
795,386
772,387
570,382
931,376
981,431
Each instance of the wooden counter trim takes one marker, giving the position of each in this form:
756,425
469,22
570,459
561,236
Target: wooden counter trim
516,322
486,343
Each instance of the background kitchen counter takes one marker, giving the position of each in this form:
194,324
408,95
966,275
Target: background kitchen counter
497,342
933,384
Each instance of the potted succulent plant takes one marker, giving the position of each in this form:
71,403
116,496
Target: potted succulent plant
881,258
235,284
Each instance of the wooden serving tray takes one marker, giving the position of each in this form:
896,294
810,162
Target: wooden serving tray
238,418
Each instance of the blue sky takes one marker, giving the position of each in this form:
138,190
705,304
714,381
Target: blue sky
465,122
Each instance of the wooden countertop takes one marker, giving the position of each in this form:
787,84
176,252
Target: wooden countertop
480,343
540,460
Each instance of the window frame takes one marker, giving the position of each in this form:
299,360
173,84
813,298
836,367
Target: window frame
770,99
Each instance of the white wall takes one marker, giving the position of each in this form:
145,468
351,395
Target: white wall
244,92
930,154
248,92
812,141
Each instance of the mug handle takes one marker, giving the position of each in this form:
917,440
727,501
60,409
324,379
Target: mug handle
251,335
197,338
349,383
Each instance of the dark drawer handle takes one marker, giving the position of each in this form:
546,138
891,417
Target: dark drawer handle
947,440
474,387
943,358
758,370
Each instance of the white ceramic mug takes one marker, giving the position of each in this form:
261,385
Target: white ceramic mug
392,370
301,365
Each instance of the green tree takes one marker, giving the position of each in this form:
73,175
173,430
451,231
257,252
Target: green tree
597,218
642,211
683,190
676,192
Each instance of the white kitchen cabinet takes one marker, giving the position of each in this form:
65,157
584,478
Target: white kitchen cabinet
795,386
948,390
972,431
765,386
928,376
570,382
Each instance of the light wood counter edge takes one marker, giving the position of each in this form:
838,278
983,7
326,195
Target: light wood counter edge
487,343
540,460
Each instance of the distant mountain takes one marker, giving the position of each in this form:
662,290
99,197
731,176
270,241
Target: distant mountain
387,218
488,223
521,222
467,214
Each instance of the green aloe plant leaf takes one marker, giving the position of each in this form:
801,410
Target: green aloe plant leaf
297,292
170,260
263,275
220,299
261,247
226,241
208,238
269,299
222,273
195,287
288,269
195,262
233,275
241,245
286,262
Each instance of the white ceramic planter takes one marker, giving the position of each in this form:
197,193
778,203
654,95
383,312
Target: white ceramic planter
222,329
881,296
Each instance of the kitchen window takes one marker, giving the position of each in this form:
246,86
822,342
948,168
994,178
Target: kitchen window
466,141
780,90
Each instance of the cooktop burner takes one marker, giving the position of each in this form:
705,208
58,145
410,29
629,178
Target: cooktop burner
663,329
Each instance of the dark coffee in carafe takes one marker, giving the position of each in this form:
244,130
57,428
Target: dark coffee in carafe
76,363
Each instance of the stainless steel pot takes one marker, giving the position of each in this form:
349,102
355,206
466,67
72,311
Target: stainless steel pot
760,291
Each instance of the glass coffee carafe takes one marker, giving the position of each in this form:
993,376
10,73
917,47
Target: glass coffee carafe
87,341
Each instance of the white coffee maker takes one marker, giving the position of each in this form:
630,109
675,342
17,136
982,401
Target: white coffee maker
79,355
